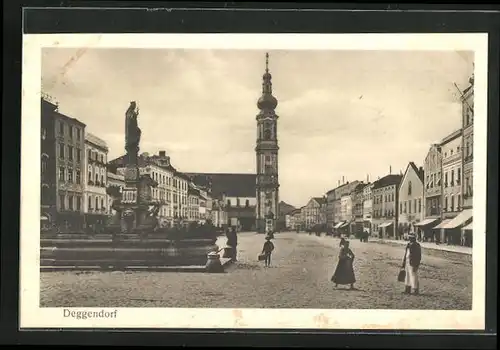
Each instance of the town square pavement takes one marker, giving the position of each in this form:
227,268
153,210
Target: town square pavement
298,278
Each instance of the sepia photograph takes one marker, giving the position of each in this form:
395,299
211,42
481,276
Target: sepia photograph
316,181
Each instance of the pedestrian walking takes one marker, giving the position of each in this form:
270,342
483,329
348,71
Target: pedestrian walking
232,241
344,272
342,242
411,263
267,250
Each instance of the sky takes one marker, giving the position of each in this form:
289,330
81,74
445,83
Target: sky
342,114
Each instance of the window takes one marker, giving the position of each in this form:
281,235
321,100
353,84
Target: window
96,179
62,175
70,152
78,135
405,210
61,128
89,178
452,178
96,203
409,207
459,176
61,150
409,188
400,207
78,202
62,200
102,158
78,179
467,186
90,203
44,164
228,202
247,203
70,129
267,133
102,180
458,202
89,154
78,155
452,203
102,203
446,179
451,153
70,202
445,203
415,206
70,175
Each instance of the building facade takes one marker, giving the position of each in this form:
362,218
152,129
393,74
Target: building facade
386,206
69,145
411,198
95,199
368,208
357,223
330,210
315,212
468,144
267,191
452,183
193,214
336,199
48,173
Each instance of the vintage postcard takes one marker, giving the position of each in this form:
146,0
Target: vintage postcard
292,181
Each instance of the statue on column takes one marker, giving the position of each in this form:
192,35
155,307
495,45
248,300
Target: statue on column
132,133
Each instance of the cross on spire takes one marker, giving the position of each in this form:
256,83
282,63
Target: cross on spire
267,62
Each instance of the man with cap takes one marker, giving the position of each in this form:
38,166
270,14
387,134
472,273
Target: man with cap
411,262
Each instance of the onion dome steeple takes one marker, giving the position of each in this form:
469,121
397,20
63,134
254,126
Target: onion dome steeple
267,101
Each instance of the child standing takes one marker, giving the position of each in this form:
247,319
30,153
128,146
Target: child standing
267,250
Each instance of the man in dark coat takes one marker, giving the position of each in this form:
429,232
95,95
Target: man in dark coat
411,263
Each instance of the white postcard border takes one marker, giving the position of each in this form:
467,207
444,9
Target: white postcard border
32,316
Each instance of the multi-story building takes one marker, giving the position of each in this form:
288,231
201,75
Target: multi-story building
385,206
411,195
433,192
368,208
95,199
330,210
193,214
237,191
452,183
357,198
335,195
315,212
68,143
468,144
48,182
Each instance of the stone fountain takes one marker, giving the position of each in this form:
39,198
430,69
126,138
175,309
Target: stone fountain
134,238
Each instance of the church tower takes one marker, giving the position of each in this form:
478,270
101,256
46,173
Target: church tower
267,155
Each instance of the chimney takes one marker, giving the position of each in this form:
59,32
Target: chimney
343,180
162,154
367,178
390,169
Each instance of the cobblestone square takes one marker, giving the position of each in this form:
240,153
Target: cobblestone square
299,277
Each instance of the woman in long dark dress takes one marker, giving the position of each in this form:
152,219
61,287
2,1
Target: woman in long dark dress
344,273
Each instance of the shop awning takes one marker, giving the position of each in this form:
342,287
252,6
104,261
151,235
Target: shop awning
460,219
442,224
468,227
44,218
339,224
345,224
426,222
386,224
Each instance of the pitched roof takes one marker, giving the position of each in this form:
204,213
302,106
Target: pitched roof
320,200
286,208
143,161
418,171
387,180
231,185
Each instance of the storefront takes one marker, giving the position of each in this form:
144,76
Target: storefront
452,229
424,229
387,229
